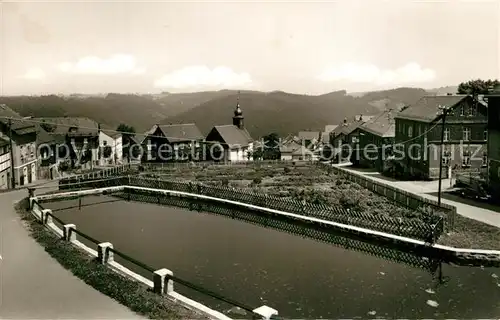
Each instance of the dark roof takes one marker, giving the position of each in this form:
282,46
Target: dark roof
234,136
62,125
181,132
309,135
382,125
351,127
330,127
427,108
112,133
135,140
19,124
289,147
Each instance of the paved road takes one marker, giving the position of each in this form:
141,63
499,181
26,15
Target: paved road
422,188
35,286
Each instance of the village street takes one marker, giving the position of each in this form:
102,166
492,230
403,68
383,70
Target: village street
34,285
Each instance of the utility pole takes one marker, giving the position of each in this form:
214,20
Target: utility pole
444,111
13,178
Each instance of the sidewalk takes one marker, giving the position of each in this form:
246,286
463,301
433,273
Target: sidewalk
35,286
422,188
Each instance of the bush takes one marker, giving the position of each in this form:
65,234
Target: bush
257,180
286,170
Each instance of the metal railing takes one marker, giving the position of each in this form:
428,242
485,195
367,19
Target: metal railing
144,266
428,228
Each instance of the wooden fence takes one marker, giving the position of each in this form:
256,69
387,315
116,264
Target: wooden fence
404,198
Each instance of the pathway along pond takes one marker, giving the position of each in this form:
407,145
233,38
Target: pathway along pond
300,277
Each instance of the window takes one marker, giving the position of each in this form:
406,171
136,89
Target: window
410,131
472,111
418,130
466,134
485,135
85,140
446,136
485,160
462,111
466,159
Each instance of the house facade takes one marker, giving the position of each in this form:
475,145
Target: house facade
23,134
230,142
309,139
81,140
376,138
494,143
344,138
5,164
110,148
288,148
173,142
418,136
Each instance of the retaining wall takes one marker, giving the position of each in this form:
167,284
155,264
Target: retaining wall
446,252
163,279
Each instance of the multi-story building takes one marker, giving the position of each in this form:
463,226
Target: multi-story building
376,139
5,164
494,143
419,130
81,140
23,134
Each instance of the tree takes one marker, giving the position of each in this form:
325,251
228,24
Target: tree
124,128
475,87
49,127
271,147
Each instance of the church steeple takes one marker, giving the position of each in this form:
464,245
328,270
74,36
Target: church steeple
238,114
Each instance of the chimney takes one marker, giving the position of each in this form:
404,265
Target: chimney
449,94
345,121
360,117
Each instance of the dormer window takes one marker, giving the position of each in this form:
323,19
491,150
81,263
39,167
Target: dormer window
410,131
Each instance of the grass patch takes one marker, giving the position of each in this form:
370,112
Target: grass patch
472,234
132,294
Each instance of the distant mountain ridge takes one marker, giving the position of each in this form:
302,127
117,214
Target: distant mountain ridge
264,112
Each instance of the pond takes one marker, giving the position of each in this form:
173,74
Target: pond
300,277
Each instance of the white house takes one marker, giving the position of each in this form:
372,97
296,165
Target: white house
236,142
110,148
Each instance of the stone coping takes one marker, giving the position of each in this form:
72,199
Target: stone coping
459,253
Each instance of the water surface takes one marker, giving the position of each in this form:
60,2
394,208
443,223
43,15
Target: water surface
300,277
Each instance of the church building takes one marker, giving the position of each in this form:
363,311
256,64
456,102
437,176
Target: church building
230,142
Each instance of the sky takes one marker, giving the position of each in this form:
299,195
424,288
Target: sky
301,47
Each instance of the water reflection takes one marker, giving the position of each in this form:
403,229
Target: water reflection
302,271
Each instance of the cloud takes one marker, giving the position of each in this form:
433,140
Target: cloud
116,64
33,74
202,76
410,73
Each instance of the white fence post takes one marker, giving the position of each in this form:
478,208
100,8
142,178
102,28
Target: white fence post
68,233
161,281
266,312
103,254
46,216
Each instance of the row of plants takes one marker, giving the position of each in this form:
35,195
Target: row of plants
309,183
